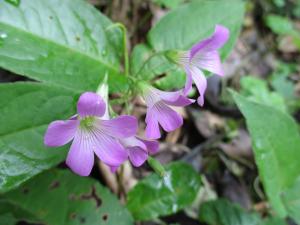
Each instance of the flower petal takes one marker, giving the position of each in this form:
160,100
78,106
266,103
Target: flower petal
81,156
120,127
205,55
113,169
90,104
133,142
189,82
152,127
201,83
168,118
151,145
216,41
209,61
137,156
108,149
175,98
60,132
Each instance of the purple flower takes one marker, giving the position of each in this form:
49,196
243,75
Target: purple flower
138,149
159,112
203,56
91,134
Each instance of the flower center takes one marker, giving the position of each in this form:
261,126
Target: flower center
87,122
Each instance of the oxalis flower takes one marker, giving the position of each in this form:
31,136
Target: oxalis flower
202,56
138,150
159,111
91,134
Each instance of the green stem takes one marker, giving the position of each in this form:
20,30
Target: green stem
126,56
145,63
156,166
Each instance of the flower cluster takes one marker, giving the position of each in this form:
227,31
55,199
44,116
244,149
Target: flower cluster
114,140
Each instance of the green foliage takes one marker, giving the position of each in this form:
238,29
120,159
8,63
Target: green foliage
279,3
62,198
276,140
8,219
281,83
13,2
26,110
68,46
146,64
180,29
154,196
284,86
257,90
280,25
291,200
222,212
173,79
283,26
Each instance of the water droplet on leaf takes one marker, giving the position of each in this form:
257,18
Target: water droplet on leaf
167,181
3,35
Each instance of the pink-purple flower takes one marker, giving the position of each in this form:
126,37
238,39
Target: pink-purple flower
203,56
159,111
139,149
91,134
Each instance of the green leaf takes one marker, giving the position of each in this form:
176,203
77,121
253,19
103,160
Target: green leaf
274,221
146,64
190,23
257,90
26,110
279,3
62,42
222,212
153,196
62,198
14,2
175,79
280,25
8,219
276,141
280,81
291,199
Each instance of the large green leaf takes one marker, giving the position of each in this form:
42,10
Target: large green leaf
154,196
26,110
291,199
59,197
188,24
8,219
62,42
276,141
222,212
